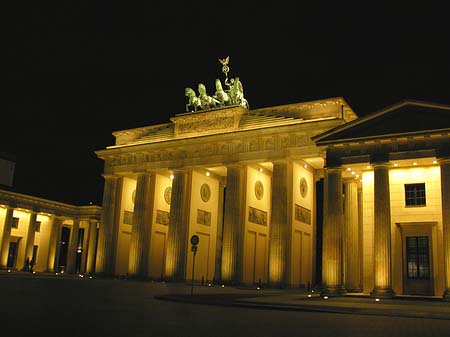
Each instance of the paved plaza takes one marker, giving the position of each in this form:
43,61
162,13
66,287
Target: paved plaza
51,305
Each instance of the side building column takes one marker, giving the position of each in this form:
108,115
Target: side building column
30,238
73,247
6,237
92,247
280,224
175,266
352,254
109,227
233,225
332,233
445,195
382,232
142,223
53,245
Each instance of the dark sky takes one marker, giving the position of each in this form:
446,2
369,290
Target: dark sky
75,73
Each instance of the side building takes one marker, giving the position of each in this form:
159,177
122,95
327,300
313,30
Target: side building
53,236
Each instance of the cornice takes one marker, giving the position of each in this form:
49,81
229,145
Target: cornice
49,207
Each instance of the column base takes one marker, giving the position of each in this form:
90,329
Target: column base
354,290
382,293
333,291
446,295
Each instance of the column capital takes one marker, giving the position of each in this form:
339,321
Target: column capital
443,160
347,181
378,164
110,176
334,169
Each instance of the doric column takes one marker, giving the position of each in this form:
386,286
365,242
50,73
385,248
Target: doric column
445,196
351,237
382,232
175,267
142,223
73,247
219,237
53,244
30,238
109,226
233,224
280,224
92,247
332,233
6,237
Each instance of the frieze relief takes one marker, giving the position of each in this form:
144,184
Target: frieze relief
249,145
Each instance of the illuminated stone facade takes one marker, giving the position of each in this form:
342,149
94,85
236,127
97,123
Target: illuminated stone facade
295,195
57,237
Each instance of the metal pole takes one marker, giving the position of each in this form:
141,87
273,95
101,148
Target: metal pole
193,265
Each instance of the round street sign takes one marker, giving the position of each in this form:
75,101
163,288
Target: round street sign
194,240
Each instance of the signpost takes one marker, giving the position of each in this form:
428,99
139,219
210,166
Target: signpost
194,242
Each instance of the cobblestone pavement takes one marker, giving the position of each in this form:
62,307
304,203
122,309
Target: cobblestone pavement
50,305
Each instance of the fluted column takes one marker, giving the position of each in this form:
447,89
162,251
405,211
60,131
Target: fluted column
445,198
219,236
233,225
6,237
175,267
53,245
332,233
382,232
73,247
351,237
280,224
92,247
108,232
30,238
142,223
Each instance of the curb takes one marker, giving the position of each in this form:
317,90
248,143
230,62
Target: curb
207,300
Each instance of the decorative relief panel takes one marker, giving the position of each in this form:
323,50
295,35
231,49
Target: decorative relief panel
257,216
303,187
205,192
259,190
302,214
128,218
203,217
168,195
162,217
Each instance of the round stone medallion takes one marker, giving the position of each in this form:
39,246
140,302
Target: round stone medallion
167,194
259,190
303,187
205,192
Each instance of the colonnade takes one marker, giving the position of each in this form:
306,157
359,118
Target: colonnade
230,252
54,239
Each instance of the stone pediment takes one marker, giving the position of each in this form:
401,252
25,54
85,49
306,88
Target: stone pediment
401,119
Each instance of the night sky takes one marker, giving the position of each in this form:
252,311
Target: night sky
75,73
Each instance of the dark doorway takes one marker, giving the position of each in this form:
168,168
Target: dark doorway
418,279
63,248
12,254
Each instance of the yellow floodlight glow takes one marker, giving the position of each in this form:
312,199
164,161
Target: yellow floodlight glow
207,173
171,176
